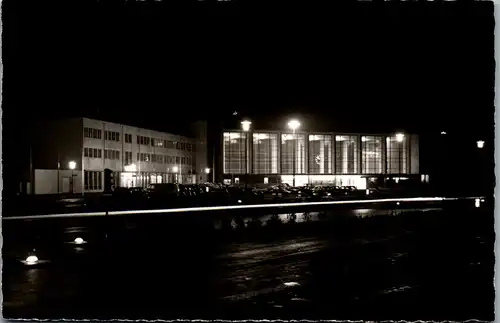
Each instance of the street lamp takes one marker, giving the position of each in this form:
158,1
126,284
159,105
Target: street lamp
294,124
245,125
400,138
175,169
72,166
207,171
480,143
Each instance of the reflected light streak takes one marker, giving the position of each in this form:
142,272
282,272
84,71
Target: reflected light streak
79,240
239,207
31,260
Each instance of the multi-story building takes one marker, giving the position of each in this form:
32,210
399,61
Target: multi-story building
329,158
138,156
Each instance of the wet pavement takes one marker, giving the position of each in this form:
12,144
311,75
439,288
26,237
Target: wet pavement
432,265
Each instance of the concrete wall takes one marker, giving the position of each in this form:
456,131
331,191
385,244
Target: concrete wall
46,181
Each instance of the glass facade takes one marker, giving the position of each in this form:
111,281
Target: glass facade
346,154
320,154
397,155
415,153
293,153
234,152
265,153
371,155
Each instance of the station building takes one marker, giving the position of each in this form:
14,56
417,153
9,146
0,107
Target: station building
137,156
342,159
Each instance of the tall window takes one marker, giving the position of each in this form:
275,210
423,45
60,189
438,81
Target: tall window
265,153
92,133
346,155
397,161
128,158
293,153
320,154
371,155
234,152
93,180
414,149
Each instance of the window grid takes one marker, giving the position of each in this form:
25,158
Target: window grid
93,181
397,160
111,154
92,133
293,146
371,155
265,153
320,154
92,152
346,154
128,158
111,135
234,152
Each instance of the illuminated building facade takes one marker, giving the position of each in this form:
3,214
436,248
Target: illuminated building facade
138,157
317,158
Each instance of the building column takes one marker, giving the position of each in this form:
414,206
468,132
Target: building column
299,158
322,155
345,156
359,154
329,154
408,154
334,155
384,155
279,159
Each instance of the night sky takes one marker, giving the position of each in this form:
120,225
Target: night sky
418,67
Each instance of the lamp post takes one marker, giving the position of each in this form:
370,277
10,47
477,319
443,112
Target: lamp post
72,166
245,125
207,171
294,124
400,138
175,169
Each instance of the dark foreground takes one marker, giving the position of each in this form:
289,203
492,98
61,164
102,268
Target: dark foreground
432,265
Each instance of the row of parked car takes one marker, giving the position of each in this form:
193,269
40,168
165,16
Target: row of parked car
220,194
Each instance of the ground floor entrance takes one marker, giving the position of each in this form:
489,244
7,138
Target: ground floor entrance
143,179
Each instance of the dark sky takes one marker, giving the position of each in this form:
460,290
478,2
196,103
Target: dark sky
416,67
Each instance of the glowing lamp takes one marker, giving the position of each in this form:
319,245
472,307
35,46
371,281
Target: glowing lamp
245,125
293,124
31,260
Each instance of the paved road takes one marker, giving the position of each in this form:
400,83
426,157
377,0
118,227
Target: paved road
431,266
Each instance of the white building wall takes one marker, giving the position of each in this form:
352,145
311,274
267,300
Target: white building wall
46,181
99,164
72,148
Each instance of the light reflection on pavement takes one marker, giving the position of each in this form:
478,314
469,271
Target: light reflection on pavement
252,270
330,270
